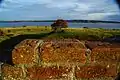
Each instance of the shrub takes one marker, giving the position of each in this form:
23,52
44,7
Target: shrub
85,27
24,26
1,33
28,29
9,31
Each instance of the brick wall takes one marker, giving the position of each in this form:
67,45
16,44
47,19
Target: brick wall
65,59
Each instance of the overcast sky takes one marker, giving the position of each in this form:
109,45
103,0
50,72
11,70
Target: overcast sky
54,9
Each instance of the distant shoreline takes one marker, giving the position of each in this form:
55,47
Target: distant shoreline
75,21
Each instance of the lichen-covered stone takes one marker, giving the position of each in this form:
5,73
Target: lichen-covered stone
63,51
109,53
25,52
44,73
12,72
95,71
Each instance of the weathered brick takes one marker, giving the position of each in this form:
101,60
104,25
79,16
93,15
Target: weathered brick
64,51
24,52
95,71
109,53
43,73
11,72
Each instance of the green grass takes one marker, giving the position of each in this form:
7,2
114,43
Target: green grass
2,38
78,33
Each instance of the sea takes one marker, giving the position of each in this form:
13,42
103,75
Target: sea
70,24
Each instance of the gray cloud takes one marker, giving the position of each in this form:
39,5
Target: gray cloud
52,9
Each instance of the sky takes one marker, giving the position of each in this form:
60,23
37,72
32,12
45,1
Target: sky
54,9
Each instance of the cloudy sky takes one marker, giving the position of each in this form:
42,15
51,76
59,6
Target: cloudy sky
54,9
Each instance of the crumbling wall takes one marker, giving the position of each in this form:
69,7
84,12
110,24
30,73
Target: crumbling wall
63,59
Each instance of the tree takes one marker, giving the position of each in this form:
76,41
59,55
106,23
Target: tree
1,33
58,25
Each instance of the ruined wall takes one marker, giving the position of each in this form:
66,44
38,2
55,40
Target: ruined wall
65,59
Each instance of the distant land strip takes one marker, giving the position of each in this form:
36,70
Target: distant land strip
75,21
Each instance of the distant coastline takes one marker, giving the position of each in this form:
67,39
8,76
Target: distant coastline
74,21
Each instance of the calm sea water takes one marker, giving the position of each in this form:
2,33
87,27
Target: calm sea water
72,25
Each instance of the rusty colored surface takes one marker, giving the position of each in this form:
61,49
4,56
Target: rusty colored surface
63,51
95,71
11,72
109,53
53,59
24,52
41,73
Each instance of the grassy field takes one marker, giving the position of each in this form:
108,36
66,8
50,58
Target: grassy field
78,33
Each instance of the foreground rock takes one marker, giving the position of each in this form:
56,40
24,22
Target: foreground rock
63,51
63,59
25,52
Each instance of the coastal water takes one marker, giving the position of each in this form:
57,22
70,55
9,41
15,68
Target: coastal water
71,24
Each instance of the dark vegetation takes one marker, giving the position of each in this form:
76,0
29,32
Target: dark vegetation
2,33
24,26
58,25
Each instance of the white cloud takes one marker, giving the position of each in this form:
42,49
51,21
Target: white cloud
94,9
68,9
99,16
62,4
